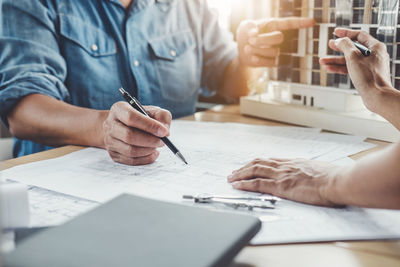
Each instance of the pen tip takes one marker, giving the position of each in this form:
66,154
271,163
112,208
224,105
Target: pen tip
122,90
181,157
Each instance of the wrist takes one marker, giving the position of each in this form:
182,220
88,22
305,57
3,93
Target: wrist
97,135
331,192
235,80
387,104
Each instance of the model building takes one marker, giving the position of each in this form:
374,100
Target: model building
300,53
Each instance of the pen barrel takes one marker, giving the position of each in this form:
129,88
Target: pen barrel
169,144
364,50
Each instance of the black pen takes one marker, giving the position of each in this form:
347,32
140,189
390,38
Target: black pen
136,105
364,50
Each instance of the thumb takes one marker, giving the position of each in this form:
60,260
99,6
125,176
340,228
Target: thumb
346,46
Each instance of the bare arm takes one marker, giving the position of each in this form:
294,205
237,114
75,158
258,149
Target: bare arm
372,182
129,136
235,80
48,121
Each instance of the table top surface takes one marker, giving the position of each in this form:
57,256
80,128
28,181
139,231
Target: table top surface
365,253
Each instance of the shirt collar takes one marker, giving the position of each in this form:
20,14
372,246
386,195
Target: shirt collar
137,4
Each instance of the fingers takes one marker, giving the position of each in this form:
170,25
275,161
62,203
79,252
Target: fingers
117,157
134,137
361,36
337,69
255,171
264,52
267,39
265,162
333,61
133,118
282,24
257,61
127,150
335,64
131,137
346,46
256,185
159,114
333,46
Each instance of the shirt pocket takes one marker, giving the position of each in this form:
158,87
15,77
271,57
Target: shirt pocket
176,64
90,38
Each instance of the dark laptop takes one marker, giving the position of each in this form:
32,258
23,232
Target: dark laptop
135,231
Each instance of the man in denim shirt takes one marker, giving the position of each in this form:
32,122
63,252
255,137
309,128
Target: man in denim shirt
62,62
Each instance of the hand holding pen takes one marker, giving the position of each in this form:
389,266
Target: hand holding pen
369,74
132,138
137,106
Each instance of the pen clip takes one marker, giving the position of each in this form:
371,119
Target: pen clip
133,101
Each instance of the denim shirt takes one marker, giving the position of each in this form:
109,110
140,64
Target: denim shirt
165,52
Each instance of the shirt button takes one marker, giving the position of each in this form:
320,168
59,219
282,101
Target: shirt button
173,53
94,47
136,63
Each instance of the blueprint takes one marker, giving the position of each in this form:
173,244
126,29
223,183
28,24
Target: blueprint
87,177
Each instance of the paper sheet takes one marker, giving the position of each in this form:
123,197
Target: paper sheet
49,208
213,150
293,222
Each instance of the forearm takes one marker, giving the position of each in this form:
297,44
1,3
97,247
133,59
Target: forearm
236,76
372,182
388,105
49,121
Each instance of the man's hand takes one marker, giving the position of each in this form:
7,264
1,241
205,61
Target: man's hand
370,75
259,41
298,179
132,138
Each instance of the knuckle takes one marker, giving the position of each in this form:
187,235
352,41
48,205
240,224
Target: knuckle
273,163
152,127
256,184
165,116
154,156
381,46
256,169
127,136
363,33
133,161
256,161
353,54
168,115
131,117
132,151
118,107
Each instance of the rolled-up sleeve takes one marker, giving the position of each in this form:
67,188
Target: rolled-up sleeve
30,59
219,49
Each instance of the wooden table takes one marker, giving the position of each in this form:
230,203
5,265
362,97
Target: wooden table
343,254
